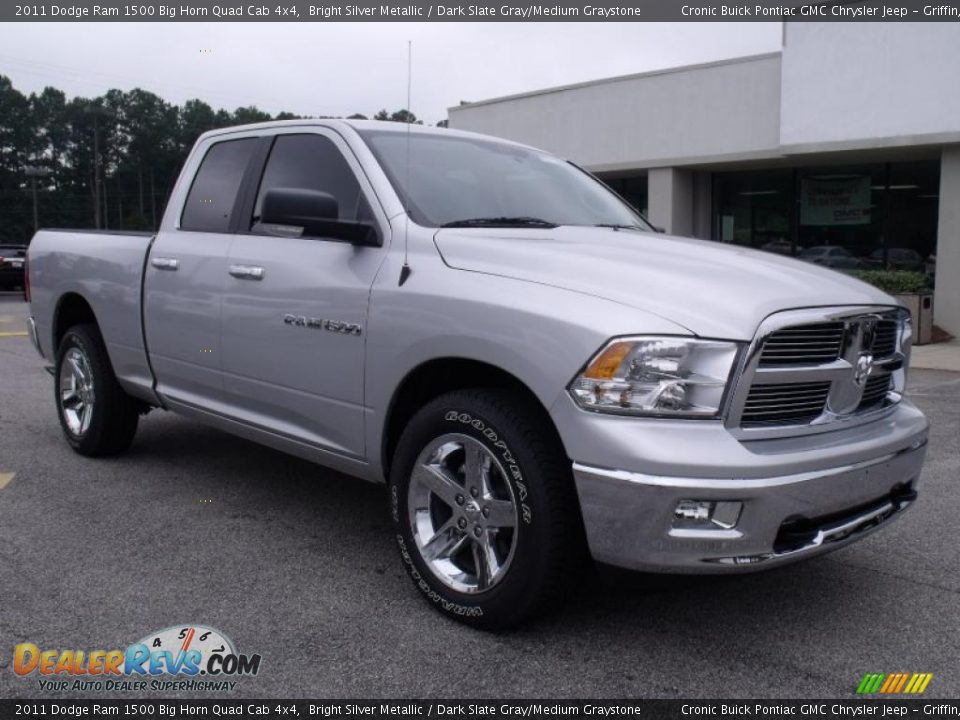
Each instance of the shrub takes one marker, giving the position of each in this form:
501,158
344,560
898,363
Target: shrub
895,281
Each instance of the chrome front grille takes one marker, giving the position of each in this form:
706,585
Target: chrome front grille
885,339
813,370
803,345
874,392
785,402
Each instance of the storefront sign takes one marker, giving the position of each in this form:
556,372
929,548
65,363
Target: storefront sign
835,202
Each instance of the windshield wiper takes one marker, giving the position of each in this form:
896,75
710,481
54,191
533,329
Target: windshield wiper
520,221
615,226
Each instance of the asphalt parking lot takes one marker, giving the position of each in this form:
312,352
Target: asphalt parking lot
296,563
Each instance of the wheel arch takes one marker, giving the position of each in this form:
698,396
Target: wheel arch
71,309
433,378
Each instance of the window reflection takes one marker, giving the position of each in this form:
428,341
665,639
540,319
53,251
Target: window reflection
858,217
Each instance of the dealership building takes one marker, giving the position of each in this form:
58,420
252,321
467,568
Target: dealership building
842,148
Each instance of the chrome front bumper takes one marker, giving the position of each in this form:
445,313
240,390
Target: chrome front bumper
631,518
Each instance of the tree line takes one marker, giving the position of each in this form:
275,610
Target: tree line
106,162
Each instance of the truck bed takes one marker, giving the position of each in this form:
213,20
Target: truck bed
105,267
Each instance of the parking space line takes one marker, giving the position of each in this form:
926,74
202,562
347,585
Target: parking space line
5,479
13,334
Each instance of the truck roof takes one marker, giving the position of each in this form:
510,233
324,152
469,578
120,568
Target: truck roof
358,125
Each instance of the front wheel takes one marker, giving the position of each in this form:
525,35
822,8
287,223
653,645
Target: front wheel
97,416
484,509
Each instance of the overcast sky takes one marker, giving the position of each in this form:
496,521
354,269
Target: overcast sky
342,68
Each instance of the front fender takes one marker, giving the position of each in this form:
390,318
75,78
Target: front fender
541,335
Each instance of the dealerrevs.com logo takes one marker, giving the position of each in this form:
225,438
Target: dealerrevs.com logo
189,657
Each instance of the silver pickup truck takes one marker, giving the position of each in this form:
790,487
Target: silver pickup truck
537,374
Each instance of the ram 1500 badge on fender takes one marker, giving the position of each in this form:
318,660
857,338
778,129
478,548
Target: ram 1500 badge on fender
538,376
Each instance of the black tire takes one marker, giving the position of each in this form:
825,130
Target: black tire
548,548
114,414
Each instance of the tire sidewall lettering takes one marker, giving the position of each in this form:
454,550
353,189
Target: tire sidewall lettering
431,594
395,504
512,466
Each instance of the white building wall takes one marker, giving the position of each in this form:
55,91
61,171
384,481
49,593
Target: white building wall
720,111
868,85
946,301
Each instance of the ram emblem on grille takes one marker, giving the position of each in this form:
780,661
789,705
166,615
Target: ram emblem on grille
863,369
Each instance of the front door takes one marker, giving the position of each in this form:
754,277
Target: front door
295,308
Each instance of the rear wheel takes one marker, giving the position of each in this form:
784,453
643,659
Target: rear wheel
484,509
97,416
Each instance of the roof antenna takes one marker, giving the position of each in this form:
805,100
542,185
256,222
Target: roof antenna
405,269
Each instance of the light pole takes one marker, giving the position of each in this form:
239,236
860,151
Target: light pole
33,172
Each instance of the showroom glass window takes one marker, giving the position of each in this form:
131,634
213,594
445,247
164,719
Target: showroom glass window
755,209
841,215
846,217
632,189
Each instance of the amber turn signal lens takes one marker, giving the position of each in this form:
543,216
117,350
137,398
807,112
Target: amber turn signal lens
605,365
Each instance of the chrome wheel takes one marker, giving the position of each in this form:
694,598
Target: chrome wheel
462,513
76,391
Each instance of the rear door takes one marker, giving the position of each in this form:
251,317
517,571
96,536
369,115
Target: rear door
186,274
295,308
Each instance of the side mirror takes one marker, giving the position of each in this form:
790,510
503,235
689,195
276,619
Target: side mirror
317,213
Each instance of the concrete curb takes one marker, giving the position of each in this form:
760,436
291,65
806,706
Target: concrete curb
940,356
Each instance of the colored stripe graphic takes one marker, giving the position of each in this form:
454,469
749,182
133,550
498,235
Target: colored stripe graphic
894,683
871,683
890,682
918,683
901,682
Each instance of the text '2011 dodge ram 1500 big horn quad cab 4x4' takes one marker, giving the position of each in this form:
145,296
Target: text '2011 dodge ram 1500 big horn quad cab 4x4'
537,374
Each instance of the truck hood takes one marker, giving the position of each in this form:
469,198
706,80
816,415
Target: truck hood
713,290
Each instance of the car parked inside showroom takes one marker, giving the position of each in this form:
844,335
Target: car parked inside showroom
897,258
831,256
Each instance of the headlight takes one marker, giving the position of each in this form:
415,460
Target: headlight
663,376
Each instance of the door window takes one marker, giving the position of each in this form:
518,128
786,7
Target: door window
215,186
312,162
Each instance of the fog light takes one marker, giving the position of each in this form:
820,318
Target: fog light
704,513
692,510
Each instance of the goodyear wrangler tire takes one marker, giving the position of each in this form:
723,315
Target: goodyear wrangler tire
97,416
484,509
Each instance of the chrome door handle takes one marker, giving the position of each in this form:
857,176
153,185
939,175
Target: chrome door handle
165,263
246,272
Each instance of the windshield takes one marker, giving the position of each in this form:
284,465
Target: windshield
457,180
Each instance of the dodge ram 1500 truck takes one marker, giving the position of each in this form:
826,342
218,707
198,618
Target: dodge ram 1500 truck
538,376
